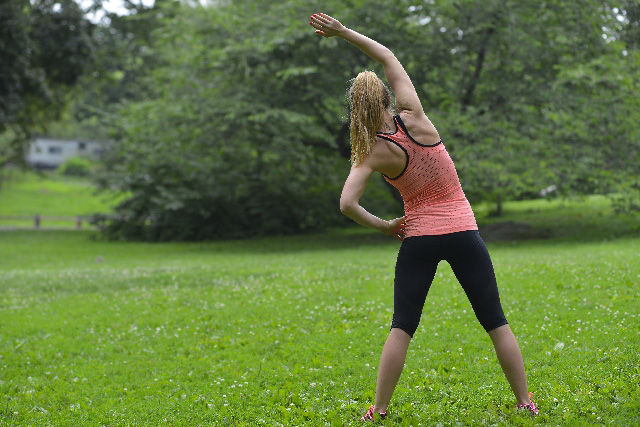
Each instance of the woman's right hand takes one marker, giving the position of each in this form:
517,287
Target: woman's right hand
325,25
395,228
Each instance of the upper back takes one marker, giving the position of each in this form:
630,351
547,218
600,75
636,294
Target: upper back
428,171
418,125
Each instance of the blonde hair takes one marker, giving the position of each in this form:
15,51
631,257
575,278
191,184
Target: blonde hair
369,98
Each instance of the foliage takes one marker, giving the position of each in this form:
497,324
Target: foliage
230,119
288,331
542,99
242,130
45,46
628,202
226,150
76,166
122,59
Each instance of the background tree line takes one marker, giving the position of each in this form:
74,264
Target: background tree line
230,120
44,50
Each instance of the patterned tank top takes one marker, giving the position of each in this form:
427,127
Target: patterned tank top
434,202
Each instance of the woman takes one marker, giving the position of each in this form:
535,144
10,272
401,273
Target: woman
438,223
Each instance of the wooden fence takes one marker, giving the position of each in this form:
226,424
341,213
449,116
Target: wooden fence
42,222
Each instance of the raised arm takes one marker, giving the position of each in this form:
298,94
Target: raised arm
406,97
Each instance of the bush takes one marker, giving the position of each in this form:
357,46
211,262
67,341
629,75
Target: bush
76,166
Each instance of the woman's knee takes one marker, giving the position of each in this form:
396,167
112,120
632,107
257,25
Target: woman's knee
408,327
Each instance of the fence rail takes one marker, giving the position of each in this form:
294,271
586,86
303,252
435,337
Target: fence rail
40,221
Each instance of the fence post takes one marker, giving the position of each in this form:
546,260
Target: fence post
79,222
36,221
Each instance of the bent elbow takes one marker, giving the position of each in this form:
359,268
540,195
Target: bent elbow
346,207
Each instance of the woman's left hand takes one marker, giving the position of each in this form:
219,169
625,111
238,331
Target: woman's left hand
395,228
325,25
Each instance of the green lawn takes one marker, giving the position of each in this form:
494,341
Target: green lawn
288,331
29,194
578,218
586,218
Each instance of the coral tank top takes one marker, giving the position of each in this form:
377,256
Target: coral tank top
434,202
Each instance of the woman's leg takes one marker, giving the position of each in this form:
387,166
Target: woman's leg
511,362
415,269
392,360
472,266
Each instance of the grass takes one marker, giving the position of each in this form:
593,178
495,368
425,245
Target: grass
24,193
49,194
577,219
288,331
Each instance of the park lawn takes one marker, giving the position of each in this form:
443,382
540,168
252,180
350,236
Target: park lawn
575,218
28,194
288,331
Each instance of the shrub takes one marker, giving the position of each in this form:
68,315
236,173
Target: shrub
76,166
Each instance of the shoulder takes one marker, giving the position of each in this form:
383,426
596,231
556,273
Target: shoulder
385,156
418,126
383,149
413,119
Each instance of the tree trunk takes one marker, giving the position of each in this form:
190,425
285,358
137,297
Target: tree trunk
475,78
342,140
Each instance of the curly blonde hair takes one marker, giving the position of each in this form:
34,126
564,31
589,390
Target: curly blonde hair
369,98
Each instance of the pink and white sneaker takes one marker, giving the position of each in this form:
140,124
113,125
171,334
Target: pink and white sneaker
531,407
369,415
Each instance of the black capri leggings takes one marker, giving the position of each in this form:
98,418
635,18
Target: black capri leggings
416,266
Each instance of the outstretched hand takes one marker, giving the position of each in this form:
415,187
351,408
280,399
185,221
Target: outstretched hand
325,25
396,228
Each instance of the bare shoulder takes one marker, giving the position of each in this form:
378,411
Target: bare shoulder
386,157
420,127
384,148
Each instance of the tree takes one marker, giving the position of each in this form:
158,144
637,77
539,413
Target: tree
243,130
45,46
223,150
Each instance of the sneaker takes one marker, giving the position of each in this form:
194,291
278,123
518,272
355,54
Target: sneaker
369,415
531,407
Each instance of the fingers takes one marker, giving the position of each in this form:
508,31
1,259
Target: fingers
400,224
322,22
317,25
321,18
317,21
399,229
